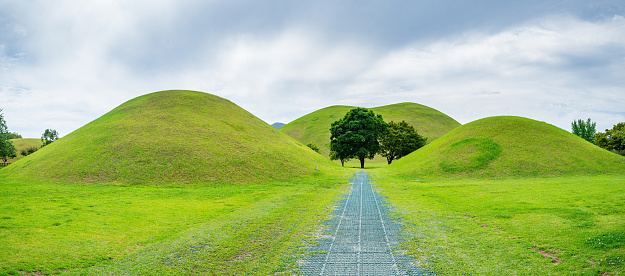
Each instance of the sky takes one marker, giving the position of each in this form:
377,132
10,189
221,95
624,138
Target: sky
66,63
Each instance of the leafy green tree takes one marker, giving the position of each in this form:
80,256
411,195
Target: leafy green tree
400,140
586,129
14,135
612,139
7,150
356,135
313,146
49,136
336,156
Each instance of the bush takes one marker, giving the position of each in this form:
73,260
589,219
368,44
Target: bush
27,151
313,146
32,149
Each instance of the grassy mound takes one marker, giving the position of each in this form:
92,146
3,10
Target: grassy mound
315,127
178,137
509,146
24,143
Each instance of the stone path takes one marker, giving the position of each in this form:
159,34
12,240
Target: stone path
360,239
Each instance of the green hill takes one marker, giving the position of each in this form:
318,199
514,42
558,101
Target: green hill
24,143
179,137
315,127
509,147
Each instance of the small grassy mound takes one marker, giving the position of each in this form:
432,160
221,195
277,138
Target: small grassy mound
428,121
24,143
509,146
315,127
172,137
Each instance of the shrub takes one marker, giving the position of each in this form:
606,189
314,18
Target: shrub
32,149
27,151
313,146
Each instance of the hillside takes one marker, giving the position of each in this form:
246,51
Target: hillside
24,144
179,137
315,127
509,147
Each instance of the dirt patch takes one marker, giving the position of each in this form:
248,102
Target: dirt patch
554,259
34,273
242,257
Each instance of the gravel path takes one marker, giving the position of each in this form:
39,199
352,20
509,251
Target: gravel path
360,239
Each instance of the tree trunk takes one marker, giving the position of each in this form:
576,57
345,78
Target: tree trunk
389,159
362,161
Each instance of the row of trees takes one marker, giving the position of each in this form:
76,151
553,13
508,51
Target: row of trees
8,150
362,134
612,139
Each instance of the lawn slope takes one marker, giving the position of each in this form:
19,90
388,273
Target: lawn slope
508,146
315,127
178,137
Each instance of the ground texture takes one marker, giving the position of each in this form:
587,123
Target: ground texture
360,239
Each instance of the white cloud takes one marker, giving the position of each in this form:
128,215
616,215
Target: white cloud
79,61
530,66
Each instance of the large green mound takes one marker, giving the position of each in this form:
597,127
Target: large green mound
509,146
315,127
172,137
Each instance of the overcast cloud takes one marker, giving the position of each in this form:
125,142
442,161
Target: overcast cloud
65,63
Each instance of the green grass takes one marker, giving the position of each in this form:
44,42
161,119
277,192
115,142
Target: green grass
501,147
186,183
315,127
172,137
377,162
573,225
24,144
69,228
469,155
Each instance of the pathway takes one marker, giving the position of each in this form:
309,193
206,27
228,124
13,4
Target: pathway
360,238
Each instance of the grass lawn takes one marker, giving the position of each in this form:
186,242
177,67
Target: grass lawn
376,162
64,228
571,225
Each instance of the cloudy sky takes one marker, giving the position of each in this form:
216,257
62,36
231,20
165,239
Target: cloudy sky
65,63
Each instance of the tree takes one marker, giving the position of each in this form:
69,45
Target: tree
586,129
400,140
14,135
336,156
49,136
356,135
7,150
313,146
612,139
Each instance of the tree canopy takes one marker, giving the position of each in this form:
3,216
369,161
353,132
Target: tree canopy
356,135
400,140
584,129
612,139
49,136
7,150
15,135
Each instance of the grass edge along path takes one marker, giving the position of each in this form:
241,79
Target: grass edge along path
360,238
73,229
572,225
